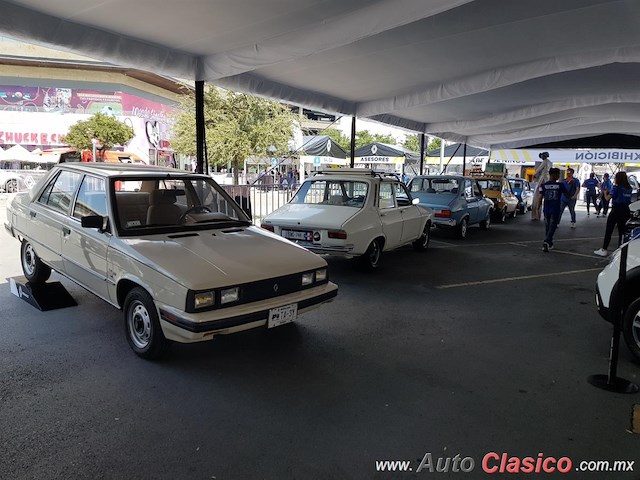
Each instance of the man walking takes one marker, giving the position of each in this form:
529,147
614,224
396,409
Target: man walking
605,186
591,184
551,192
572,188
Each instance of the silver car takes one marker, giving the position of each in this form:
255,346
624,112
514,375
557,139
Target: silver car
169,248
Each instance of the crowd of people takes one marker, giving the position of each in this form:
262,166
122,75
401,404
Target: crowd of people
553,197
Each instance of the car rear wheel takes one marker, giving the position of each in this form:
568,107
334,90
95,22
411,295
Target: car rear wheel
463,227
11,186
631,327
142,325
34,270
514,213
422,243
502,215
371,259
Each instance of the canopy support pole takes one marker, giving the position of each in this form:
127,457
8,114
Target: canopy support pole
422,153
200,128
464,158
353,142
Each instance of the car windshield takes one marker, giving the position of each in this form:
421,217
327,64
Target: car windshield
435,185
494,185
343,193
516,184
145,205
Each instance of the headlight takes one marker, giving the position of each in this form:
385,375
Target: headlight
307,278
229,295
204,299
321,275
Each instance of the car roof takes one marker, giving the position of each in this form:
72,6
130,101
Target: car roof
121,169
444,176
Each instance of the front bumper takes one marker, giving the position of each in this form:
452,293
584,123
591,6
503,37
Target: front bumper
602,310
9,229
186,328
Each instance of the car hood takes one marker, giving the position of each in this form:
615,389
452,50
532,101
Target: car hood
311,216
213,258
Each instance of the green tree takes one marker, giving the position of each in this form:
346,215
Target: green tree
364,137
106,129
434,143
238,126
412,142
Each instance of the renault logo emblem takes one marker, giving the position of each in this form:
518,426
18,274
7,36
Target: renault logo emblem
275,287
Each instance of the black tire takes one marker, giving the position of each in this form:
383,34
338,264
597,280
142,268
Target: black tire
422,243
34,270
631,327
514,214
371,259
502,215
142,325
463,227
484,224
11,186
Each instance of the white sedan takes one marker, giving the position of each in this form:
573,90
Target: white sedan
352,213
169,248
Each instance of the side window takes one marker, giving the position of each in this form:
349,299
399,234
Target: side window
476,189
386,195
92,198
402,197
468,190
59,192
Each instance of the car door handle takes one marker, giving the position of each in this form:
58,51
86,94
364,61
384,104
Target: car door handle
33,214
66,231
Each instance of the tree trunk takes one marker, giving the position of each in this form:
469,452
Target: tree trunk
235,165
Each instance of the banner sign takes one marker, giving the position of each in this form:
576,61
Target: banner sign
529,157
378,160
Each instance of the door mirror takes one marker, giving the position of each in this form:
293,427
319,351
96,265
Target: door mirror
92,221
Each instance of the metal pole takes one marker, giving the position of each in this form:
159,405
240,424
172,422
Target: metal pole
200,128
353,141
422,153
464,158
441,154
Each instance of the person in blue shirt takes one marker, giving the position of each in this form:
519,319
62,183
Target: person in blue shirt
606,185
572,189
620,196
591,184
551,193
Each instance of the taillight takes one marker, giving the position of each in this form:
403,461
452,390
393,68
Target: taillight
267,227
340,234
443,214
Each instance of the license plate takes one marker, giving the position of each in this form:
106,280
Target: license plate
281,315
297,235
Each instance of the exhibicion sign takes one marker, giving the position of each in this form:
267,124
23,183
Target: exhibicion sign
529,157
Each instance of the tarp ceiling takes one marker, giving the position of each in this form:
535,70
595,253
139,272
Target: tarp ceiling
491,73
457,149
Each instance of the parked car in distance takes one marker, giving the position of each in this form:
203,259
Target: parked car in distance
497,188
169,248
523,191
352,213
607,300
634,181
457,201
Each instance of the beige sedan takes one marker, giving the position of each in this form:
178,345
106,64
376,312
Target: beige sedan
169,248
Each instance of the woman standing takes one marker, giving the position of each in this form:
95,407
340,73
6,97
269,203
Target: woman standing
620,196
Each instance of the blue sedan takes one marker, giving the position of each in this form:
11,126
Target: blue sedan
457,201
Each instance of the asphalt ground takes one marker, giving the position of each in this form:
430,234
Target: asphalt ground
474,346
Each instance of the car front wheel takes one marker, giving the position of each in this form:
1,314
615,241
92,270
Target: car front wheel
142,325
34,270
422,243
631,327
484,224
371,259
11,186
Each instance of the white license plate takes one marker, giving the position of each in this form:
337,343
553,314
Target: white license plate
281,315
297,235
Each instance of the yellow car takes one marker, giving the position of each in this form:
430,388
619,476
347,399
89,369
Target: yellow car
499,191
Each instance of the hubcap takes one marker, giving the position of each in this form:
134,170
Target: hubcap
635,328
375,253
425,236
29,261
139,325
463,228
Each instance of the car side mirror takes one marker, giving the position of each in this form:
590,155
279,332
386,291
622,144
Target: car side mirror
415,201
93,221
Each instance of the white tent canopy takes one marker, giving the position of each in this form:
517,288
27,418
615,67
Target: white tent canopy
17,152
491,73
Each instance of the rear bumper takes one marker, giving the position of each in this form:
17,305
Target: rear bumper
9,229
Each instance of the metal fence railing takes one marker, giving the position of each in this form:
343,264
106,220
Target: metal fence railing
260,199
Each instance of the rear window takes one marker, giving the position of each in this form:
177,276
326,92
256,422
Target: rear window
494,185
435,185
343,193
